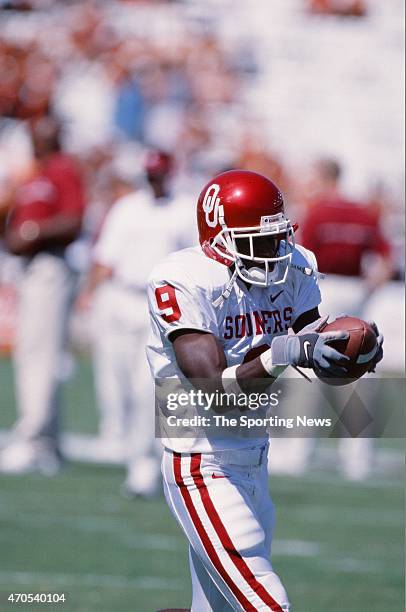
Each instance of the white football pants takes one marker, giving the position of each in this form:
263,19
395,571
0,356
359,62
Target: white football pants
124,390
45,295
222,503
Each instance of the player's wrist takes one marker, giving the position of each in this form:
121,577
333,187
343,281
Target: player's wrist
285,350
270,365
296,350
229,380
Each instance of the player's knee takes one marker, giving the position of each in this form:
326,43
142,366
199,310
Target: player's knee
251,540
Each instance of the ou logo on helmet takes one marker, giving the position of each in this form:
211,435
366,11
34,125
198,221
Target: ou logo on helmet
210,205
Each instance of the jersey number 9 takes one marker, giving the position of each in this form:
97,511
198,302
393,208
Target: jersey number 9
167,303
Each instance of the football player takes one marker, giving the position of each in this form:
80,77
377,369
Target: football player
117,288
221,312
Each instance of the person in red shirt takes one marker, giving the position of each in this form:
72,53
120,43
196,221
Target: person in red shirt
344,234
339,8
46,215
48,206
355,259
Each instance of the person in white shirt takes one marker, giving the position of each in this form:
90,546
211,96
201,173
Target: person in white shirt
123,257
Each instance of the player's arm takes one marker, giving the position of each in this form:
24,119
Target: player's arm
107,249
98,274
307,318
200,356
188,320
31,235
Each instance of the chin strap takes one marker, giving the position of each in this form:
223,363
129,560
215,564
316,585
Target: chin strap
227,291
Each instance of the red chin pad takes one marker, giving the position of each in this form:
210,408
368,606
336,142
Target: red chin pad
210,252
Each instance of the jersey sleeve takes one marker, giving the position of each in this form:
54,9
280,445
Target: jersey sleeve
179,304
306,290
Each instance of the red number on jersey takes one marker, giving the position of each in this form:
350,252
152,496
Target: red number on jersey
167,303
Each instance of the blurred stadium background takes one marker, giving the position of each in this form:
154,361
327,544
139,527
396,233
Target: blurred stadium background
267,86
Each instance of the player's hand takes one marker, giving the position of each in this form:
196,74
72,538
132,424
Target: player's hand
311,347
379,341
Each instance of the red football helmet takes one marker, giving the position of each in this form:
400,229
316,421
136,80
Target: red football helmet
241,220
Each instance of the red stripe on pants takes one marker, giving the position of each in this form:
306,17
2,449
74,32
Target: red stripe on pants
225,539
207,544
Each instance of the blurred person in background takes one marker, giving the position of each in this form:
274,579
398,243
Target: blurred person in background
352,252
45,217
339,8
15,5
347,240
254,154
27,80
130,105
143,224
4,210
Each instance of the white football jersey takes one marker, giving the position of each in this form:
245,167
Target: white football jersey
182,292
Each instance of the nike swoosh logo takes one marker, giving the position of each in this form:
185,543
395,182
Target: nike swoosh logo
306,346
218,476
274,297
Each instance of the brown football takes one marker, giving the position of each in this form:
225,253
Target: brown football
360,347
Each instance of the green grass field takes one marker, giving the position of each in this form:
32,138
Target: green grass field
338,546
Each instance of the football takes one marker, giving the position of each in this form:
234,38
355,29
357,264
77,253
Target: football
360,347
